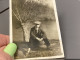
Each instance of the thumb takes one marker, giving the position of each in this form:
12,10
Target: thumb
10,49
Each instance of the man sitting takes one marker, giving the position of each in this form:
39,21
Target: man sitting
37,35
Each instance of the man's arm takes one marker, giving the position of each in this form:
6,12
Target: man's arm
33,35
43,34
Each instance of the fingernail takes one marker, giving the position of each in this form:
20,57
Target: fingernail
11,49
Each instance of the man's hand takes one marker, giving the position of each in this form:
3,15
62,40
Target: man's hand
39,39
4,40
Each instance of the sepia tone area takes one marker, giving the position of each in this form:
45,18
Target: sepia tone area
24,13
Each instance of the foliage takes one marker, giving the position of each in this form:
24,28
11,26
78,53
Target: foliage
31,10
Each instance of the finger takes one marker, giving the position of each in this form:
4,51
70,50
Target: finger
4,40
10,49
7,52
5,56
2,48
7,39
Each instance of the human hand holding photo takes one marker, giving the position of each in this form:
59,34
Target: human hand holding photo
7,49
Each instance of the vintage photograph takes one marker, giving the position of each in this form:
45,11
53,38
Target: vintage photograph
35,29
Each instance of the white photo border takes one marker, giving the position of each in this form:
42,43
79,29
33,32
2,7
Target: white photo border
58,27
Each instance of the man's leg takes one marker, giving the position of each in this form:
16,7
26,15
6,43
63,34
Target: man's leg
46,42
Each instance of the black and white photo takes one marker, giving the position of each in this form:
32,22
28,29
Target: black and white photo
35,29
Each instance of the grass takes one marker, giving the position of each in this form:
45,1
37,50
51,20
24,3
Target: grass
38,52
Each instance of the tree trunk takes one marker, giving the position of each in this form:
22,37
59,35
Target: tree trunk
25,32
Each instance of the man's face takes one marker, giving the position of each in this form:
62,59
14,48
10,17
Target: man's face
38,25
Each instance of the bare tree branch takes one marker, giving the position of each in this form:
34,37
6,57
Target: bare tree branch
15,15
18,15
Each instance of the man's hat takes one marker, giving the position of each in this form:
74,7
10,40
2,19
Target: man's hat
37,22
